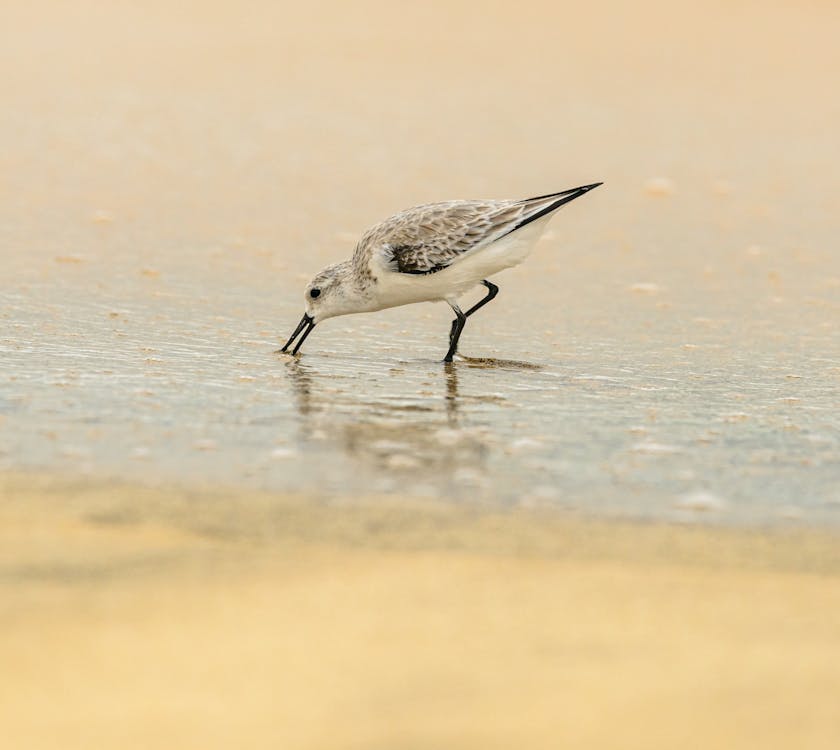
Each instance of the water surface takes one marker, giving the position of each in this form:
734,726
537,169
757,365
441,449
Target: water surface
669,351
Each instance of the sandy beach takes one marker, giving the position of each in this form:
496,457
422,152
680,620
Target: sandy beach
612,524
147,618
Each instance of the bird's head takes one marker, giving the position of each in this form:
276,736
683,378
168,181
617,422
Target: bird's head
329,294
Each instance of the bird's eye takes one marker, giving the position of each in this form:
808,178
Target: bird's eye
314,293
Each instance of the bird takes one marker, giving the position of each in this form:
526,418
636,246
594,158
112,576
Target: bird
430,253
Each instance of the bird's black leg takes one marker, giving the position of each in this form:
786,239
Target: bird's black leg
492,291
455,333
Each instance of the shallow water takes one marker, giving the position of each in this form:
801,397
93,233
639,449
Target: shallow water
670,350
147,385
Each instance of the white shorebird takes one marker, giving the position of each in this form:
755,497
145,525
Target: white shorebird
431,253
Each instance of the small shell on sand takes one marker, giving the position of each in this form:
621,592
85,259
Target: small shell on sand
448,437
402,461
525,445
659,186
700,501
102,217
655,449
737,416
645,287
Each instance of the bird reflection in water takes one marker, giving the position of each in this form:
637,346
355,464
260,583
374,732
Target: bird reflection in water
396,436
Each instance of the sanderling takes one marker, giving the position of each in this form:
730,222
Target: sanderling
431,253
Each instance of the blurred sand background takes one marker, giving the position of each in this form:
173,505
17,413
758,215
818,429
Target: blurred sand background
149,618
171,173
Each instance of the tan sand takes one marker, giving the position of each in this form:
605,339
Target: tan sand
228,620
171,174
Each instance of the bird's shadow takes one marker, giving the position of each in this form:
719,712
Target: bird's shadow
481,363
491,363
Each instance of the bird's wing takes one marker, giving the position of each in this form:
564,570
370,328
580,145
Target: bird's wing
429,238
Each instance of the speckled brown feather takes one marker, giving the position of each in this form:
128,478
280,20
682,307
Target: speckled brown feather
429,238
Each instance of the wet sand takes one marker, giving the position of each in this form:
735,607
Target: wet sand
610,526
173,177
169,619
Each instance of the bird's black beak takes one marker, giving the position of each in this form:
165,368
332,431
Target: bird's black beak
306,325
570,195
